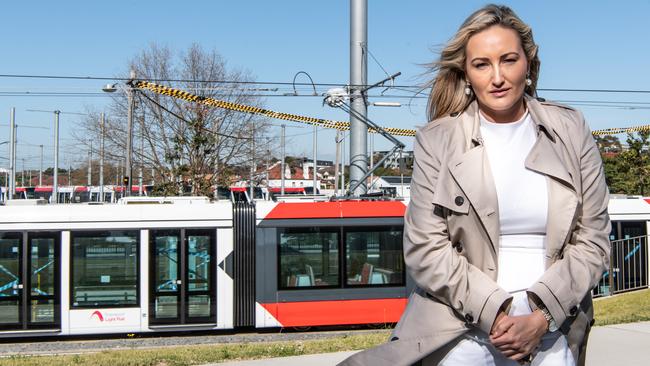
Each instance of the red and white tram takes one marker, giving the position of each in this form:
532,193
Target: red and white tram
184,264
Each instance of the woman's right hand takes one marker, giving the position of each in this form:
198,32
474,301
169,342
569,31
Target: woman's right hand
518,336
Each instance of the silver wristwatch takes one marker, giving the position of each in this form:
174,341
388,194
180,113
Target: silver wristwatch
552,326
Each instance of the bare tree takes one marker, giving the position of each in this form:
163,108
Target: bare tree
186,143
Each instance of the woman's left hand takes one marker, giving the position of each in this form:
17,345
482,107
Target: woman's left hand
518,336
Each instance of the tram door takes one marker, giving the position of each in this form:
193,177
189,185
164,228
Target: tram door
182,276
29,289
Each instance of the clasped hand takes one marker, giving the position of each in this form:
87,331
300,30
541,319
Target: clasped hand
518,336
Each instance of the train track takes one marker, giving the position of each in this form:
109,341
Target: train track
67,346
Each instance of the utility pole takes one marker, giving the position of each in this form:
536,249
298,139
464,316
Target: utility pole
12,156
343,164
336,162
118,172
358,81
101,157
282,142
55,178
40,171
129,137
315,158
252,172
372,158
90,160
141,175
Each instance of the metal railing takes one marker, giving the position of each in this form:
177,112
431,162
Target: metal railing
628,267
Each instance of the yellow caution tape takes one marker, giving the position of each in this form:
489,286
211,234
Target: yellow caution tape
327,123
617,130
180,94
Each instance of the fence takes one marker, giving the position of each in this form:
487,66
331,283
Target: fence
628,267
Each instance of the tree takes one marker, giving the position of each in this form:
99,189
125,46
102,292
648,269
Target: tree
627,172
186,143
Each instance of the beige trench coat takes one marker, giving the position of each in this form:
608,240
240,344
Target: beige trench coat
451,234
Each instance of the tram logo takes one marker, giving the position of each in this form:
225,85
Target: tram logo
98,314
107,317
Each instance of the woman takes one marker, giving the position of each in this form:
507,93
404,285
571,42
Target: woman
507,229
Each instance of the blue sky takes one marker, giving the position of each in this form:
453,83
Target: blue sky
583,45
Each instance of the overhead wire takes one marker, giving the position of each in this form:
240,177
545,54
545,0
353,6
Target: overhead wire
248,82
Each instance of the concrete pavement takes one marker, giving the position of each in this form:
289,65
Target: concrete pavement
622,344
611,345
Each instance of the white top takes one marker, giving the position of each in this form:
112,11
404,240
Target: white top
522,197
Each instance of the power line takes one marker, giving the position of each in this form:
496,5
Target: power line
245,82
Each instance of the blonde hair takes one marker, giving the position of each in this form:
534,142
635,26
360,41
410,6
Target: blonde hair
448,86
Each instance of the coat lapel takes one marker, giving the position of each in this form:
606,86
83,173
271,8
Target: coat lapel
546,158
471,171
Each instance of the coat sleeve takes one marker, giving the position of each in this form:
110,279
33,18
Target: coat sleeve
430,259
586,256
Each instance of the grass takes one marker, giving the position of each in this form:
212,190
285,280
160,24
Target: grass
196,355
624,308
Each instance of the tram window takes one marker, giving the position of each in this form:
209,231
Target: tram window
374,256
105,268
631,229
10,244
309,257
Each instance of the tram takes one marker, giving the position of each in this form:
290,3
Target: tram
180,264
191,264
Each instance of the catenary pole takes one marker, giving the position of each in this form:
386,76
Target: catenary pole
129,137
101,157
315,170
12,156
358,80
40,171
282,141
55,176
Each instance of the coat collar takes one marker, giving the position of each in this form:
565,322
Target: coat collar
471,121
471,172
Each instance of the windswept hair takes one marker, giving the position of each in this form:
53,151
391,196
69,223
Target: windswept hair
448,86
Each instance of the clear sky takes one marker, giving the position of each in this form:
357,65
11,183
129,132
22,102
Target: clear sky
583,45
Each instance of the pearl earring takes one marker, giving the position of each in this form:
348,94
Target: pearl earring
468,90
529,82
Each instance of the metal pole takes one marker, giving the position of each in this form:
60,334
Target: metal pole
12,156
101,157
22,174
141,173
372,158
40,171
358,80
336,163
252,171
343,164
90,159
284,127
129,137
55,178
401,173
315,159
